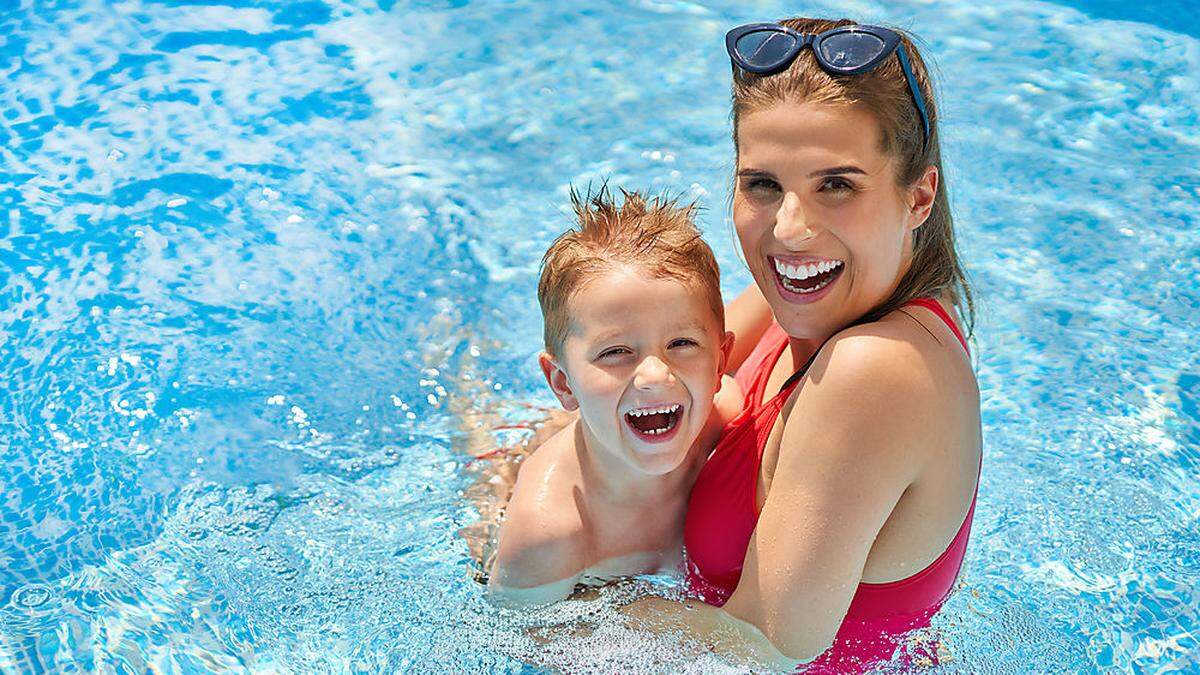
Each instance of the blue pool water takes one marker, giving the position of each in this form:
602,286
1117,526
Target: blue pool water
267,273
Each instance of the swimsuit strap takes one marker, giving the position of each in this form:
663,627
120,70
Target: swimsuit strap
795,377
936,307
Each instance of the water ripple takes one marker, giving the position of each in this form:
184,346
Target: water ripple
267,269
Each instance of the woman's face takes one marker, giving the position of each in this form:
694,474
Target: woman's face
824,227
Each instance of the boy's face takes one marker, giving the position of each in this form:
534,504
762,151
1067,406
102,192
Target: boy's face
641,361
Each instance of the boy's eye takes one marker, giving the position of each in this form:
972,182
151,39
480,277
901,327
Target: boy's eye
614,351
683,342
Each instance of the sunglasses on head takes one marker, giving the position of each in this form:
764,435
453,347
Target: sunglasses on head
765,48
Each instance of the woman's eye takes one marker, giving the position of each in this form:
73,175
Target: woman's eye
761,185
683,342
835,184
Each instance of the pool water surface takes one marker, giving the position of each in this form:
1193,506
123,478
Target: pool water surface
267,273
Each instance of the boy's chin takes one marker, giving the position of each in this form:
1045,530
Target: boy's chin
658,461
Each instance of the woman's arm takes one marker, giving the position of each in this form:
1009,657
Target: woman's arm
851,446
747,316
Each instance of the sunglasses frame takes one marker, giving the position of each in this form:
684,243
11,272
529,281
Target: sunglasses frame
891,43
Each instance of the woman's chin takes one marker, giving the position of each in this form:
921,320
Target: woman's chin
802,327
815,321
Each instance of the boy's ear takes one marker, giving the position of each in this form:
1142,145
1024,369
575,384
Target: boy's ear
556,377
726,349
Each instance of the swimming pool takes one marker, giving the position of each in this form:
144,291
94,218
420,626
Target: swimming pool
259,260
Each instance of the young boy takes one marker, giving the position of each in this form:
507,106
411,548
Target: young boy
635,341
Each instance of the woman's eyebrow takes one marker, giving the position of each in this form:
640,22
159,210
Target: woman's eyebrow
756,173
833,171
836,170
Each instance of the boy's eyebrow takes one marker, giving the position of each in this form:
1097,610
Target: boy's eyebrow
608,335
612,333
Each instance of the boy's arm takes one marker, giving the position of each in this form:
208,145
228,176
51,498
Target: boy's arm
541,550
495,469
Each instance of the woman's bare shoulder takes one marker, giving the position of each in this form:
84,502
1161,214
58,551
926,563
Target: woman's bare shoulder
905,348
895,374
883,353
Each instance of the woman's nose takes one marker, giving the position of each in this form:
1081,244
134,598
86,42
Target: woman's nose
652,372
792,227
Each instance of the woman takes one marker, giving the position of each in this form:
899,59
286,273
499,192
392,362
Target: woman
835,509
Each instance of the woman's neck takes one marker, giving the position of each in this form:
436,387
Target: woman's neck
802,349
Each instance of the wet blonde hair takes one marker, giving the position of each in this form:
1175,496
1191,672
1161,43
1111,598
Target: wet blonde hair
656,235
883,92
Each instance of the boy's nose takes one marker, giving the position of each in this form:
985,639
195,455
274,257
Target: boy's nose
792,226
652,372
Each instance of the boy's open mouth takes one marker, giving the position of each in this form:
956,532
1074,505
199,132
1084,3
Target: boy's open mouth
807,278
654,423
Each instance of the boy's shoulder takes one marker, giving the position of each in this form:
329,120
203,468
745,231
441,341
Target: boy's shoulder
543,538
549,485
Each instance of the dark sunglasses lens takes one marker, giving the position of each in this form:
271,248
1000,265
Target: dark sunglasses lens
765,48
847,51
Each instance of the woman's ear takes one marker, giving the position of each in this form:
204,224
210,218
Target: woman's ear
921,196
556,377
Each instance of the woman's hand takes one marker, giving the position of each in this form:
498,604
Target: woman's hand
710,628
747,316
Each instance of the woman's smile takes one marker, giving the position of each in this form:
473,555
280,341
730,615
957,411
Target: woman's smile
805,279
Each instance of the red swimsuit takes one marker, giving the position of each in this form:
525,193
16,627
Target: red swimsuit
722,514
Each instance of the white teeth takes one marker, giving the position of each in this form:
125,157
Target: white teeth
666,409
654,411
801,272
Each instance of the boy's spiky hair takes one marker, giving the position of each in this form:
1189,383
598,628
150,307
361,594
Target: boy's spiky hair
656,234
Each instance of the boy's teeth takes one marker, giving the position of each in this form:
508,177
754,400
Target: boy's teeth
801,272
652,421
654,411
